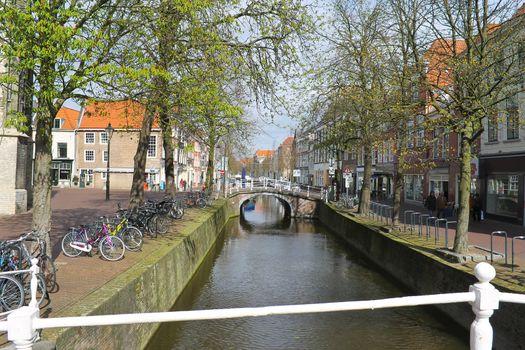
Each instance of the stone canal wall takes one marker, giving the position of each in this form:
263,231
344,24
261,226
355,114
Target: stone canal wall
425,273
152,285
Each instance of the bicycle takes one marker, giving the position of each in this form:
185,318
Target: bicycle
78,241
12,294
130,235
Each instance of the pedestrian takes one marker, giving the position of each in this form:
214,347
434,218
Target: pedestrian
477,207
430,203
181,184
441,204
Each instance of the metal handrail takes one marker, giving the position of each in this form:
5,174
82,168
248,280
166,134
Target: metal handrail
22,325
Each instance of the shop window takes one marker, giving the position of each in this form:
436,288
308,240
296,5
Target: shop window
502,195
414,187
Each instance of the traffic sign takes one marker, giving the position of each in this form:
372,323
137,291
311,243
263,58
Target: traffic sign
331,171
221,171
347,170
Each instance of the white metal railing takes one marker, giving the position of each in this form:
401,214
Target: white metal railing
22,324
283,186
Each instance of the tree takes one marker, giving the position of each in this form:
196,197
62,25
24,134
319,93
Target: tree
359,94
64,46
472,66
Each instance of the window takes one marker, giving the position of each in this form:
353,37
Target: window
410,134
61,150
152,147
492,126
444,150
420,134
89,138
105,156
57,123
503,195
104,138
414,187
513,125
89,155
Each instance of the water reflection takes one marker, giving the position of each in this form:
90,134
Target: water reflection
264,212
260,264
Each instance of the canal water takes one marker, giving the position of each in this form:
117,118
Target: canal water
264,259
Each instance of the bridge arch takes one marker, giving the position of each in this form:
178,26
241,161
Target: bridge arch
288,207
295,205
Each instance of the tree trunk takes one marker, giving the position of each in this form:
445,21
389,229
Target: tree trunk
364,198
461,239
167,142
210,168
42,178
398,192
139,173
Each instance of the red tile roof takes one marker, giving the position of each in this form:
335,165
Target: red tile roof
125,114
288,141
69,116
264,153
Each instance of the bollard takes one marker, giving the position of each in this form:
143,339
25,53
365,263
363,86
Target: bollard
421,217
446,231
485,302
430,218
413,221
436,229
514,238
503,233
308,192
405,218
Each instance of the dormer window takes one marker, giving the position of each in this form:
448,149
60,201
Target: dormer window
57,123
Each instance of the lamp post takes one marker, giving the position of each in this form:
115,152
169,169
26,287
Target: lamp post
109,133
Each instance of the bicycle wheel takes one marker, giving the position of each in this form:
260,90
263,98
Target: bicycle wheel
132,238
48,271
67,249
111,248
11,293
161,224
201,203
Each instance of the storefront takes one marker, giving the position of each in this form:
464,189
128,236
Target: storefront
61,173
502,183
414,188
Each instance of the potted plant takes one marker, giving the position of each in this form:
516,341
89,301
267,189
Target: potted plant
75,180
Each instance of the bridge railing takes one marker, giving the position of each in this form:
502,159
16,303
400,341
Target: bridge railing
22,324
283,186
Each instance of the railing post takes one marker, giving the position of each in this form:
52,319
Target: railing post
308,192
20,328
251,185
486,301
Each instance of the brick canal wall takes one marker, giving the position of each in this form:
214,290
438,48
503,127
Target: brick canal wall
425,273
152,285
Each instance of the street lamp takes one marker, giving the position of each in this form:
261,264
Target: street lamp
109,133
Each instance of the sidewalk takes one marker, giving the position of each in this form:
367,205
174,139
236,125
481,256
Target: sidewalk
479,235
78,277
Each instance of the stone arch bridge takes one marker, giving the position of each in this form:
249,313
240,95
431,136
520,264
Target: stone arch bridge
296,204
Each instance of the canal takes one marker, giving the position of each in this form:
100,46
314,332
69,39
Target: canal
263,259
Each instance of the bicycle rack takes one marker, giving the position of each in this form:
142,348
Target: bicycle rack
446,231
421,217
502,233
430,218
514,238
436,229
388,213
405,218
413,221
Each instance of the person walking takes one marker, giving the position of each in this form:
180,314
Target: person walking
430,203
441,204
476,209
